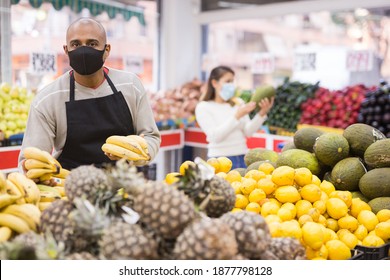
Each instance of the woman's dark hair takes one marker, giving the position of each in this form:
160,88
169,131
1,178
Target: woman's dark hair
215,74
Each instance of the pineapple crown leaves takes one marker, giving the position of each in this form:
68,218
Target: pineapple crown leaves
192,183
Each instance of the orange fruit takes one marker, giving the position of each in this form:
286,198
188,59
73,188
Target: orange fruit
283,175
313,235
266,167
383,215
311,192
257,195
266,185
253,207
255,174
368,219
348,222
185,165
336,208
337,250
233,176
287,194
248,185
303,207
171,178
214,163
225,164
303,176
357,206
241,201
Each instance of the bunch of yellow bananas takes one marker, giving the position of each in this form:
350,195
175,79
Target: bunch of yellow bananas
42,165
50,194
131,147
19,197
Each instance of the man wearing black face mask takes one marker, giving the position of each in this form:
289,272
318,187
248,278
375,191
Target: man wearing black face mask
74,115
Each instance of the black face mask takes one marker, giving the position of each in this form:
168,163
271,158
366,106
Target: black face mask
86,60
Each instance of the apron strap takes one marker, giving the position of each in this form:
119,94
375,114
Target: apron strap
113,88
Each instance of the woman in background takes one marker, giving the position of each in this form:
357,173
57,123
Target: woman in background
225,119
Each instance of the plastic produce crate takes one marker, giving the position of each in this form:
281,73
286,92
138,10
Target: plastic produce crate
371,253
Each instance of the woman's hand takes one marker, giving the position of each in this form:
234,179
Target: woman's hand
112,157
265,106
245,109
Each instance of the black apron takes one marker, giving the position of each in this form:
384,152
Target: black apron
90,122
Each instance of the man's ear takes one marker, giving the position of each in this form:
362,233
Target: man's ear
107,51
65,47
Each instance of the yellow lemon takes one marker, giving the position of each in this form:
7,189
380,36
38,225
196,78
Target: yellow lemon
321,253
287,194
171,178
255,174
315,180
272,218
322,220
332,224
237,187
285,214
336,208
303,207
221,174
311,192
357,206
233,176
368,219
303,176
290,206
236,209
225,164
383,215
382,230
253,207
330,235
304,219
361,232
241,201
214,163
349,239
314,214
275,229
283,175
346,196
266,185
290,229
185,165
269,208
348,222
320,205
274,200
248,185
337,250
327,187
324,196
257,195
266,167
313,235
372,241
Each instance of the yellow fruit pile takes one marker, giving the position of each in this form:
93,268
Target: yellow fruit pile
295,203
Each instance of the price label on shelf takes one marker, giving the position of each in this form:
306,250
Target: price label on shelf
305,61
43,63
134,64
359,61
263,63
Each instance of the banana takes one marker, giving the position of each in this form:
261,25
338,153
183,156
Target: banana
142,142
41,155
47,196
122,152
14,223
29,186
12,189
3,182
63,173
5,234
27,212
32,163
61,190
45,177
36,173
43,205
127,143
44,188
8,199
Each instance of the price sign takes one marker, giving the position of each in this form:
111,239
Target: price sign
43,63
305,61
263,63
134,64
359,61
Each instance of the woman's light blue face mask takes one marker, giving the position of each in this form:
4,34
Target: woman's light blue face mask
227,91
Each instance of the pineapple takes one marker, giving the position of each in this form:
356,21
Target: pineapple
251,232
285,248
206,239
127,241
81,256
215,196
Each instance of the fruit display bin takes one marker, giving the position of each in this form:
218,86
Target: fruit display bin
371,253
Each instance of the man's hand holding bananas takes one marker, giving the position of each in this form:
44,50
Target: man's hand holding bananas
131,147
